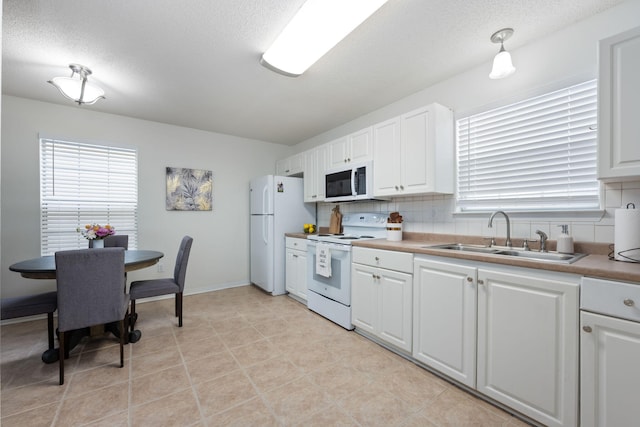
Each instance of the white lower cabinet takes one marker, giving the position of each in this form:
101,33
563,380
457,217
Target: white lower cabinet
610,378
296,267
511,333
528,342
444,322
381,295
609,353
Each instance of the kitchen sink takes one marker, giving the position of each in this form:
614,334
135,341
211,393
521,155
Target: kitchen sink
543,256
465,248
530,255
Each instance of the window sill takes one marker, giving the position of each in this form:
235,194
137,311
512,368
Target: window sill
594,215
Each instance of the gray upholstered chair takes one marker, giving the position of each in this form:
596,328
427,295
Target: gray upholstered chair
156,287
116,240
90,292
31,305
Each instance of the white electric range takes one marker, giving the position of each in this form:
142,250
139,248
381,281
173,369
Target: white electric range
330,294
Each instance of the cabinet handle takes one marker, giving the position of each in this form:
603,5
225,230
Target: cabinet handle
587,329
314,196
348,159
480,282
469,279
397,188
402,187
378,277
287,171
373,275
295,256
629,302
377,259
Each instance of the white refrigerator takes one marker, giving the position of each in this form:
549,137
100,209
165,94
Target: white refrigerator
277,207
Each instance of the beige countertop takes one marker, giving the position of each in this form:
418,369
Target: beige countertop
596,264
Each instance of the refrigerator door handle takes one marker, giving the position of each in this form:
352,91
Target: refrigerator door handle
265,200
264,228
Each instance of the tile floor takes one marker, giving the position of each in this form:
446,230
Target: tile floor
243,358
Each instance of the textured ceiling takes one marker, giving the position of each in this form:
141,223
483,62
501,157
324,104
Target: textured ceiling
195,63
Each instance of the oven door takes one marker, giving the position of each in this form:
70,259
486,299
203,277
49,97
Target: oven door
338,286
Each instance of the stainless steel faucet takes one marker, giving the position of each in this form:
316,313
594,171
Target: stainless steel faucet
508,242
543,240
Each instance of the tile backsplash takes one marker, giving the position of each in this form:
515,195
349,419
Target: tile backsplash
435,214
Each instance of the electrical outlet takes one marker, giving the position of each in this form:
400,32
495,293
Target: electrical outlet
160,267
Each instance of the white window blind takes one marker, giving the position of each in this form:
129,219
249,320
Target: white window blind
537,154
84,184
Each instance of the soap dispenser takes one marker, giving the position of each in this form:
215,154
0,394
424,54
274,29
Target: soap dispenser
565,242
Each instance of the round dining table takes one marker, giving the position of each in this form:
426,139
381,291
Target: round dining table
44,267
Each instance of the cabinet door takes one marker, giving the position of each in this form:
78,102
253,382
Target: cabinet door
301,275
386,158
310,176
364,298
618,106
360,146
609,374
293,165
418,156
282,167
338,152
296,165
528,344
395,310
321,167
444,330
290,271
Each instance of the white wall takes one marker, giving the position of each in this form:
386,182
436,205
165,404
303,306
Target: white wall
220,252
558,60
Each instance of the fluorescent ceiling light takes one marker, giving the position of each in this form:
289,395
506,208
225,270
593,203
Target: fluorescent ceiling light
317,27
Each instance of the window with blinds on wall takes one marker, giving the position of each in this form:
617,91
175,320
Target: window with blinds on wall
82,184
537,154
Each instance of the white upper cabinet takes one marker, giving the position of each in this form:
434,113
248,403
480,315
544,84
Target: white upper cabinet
315,163
618,106
293,165
414,153
357,147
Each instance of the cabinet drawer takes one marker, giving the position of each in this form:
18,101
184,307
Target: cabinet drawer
616,299
391,260
295,243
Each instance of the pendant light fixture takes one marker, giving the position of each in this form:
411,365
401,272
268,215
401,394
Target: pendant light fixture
77,88
315,29
502,65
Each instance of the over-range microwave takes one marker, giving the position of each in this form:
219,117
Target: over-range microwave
349,182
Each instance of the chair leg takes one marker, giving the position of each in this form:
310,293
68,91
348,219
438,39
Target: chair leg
132,317
50,329
179,308
122,335
61,343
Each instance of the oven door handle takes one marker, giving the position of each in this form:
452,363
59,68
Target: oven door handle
311,246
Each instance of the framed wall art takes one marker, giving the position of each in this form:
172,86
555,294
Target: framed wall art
189,189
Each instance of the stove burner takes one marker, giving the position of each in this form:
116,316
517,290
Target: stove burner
349,238
324,235
367,237
338,234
